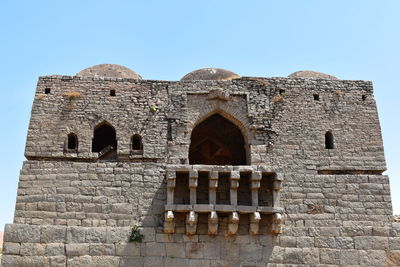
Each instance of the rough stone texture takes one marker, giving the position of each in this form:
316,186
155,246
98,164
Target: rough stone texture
76,210
210,74
311,74
108,70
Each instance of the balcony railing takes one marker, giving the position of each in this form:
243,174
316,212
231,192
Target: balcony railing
234,190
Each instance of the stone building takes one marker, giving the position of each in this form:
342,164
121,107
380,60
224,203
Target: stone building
214,169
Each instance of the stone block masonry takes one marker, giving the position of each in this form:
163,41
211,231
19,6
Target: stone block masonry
276,172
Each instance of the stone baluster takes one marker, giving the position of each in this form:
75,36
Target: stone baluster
193,177
235,177
213,223
254,186
213,184
169,224
171,182
191,223
255,219
233,224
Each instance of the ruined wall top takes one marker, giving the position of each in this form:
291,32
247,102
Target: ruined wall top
277,116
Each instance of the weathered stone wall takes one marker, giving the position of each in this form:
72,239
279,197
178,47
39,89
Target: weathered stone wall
73,210
277,111
30,245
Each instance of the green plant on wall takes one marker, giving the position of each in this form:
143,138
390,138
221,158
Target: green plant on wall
136,235
153,109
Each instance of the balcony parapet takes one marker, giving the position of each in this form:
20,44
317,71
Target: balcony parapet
260,182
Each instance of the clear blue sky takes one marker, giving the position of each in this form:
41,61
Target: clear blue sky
167,39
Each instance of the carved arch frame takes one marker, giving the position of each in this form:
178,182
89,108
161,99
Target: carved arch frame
230,111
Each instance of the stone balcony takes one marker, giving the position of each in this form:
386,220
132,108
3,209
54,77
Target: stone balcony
234,191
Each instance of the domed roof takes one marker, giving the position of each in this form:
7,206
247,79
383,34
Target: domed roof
311,74
109,71
210,74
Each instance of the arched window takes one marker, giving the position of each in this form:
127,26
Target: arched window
329,140
104,138
72,141
137,144
217,141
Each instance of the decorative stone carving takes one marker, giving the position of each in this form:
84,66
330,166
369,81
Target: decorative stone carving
191,223
169,224
255,219
233,223
212,223
277,220
218,94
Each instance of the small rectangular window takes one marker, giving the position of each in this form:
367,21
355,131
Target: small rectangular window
364,97
112,92
47,91
316,97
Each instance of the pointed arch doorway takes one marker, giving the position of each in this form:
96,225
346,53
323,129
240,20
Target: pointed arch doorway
217,141
104,141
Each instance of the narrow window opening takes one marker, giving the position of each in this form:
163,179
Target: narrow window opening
202,188
112,92
137,142
265,190
181,191
364,97
169,131
316,97
244,192
72,141
281,92
329,140
47,91
223,189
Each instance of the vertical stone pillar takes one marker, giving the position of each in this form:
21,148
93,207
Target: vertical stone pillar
212,186
276,186
171,182
235,177
193,177
254,186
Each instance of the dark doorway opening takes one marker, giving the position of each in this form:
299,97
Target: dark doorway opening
105,141
217,141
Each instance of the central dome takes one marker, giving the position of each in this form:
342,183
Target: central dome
109,71
311,74
210,74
